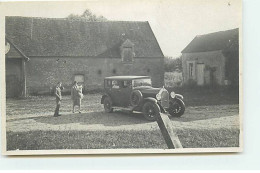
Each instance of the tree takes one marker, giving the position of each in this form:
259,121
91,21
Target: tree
87,16
172,64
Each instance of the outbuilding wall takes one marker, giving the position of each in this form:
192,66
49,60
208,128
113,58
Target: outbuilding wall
212,59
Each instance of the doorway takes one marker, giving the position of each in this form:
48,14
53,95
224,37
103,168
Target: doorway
200,74
13,86
79,78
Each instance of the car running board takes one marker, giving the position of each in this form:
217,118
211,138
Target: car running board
130,108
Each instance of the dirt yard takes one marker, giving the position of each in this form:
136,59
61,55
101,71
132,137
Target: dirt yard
36,115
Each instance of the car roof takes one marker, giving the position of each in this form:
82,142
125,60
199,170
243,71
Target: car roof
126,77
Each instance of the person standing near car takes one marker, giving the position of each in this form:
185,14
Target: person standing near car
76,96
58,99
79,96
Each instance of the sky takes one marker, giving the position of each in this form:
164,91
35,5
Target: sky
174,22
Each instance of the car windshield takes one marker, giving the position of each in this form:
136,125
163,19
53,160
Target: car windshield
142,82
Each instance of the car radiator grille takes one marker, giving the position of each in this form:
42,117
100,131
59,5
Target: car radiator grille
165,99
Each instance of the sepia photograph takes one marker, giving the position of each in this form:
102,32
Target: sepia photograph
110,77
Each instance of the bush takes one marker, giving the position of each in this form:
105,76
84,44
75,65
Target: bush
173,79
172,64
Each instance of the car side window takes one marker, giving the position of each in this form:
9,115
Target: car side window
115,84
134,83
126,84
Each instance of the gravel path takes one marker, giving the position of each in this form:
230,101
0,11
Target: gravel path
36,114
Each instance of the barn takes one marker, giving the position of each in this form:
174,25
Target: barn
212,59
42,51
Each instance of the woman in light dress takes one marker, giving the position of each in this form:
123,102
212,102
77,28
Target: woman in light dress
76,96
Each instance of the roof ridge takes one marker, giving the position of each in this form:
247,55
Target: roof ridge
217,32
68,19
211,41
60,37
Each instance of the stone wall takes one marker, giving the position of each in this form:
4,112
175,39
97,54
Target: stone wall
212,59
43,73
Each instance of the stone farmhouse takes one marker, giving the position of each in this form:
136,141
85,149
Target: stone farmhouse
42,51
212,59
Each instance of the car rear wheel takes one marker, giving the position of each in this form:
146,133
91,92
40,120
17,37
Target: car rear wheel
108,105
176,108
151,111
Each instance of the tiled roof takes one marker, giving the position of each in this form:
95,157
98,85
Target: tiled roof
214,41
63,37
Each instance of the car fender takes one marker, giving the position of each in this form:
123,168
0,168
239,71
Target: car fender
176,99
151,99
103,97
179,96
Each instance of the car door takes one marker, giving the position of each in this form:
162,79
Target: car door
115,92
125,89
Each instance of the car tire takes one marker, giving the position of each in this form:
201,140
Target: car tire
108,105
136,97
176,108
151,111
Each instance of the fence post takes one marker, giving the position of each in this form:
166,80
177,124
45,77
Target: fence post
169,133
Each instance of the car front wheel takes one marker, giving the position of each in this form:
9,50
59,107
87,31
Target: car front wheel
108,105
176,108
151,111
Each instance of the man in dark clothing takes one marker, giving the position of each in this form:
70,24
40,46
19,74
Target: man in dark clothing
58,99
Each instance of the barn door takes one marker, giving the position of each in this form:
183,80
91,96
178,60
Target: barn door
200,74
12,86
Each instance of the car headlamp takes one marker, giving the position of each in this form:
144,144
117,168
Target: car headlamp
173,94
158,96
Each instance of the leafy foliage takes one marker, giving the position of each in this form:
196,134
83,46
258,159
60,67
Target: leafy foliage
172,64
87,16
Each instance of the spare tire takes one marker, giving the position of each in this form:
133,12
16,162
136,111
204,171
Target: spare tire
136,97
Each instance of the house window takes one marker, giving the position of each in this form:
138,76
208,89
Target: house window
99,72
127,51
191,70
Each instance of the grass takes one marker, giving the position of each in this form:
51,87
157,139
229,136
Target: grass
204,96
190,138
45,140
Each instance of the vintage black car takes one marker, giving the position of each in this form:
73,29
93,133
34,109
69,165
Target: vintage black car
136,93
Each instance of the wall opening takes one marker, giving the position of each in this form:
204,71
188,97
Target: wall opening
79,78
114,71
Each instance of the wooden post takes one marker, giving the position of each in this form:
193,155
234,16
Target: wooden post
24,89
169,133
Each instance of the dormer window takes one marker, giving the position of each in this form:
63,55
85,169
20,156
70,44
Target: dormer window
127,51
